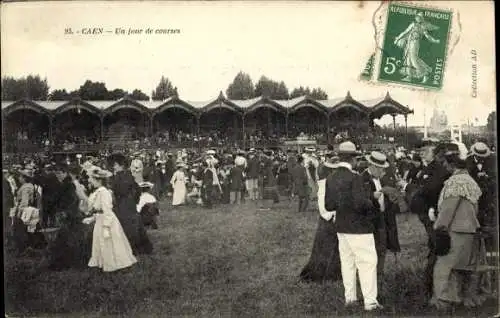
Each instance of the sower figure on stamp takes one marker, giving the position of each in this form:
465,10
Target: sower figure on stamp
346,195
385,226
409,41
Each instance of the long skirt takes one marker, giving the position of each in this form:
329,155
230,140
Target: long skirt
72,247
324,263
452,272
134,229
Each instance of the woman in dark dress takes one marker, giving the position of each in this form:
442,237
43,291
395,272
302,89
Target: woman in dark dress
324,263
72,245
126,194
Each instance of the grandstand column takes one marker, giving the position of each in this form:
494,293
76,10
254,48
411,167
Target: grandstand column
286,124
101,119
151,125
50,130
198,125
394,125
406,131
327,129
244,132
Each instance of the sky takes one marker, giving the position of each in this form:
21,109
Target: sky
315,44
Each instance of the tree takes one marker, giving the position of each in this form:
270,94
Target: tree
93,91
241,88
491,124
137,94
59,94
272,89
164,90
301,91
281,92
116,94
316,93
31,87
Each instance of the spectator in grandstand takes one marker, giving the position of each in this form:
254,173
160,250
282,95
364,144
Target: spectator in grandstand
127,193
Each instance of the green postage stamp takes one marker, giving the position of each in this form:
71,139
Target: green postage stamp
415,46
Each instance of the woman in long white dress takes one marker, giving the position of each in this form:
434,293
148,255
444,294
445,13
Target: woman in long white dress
178,183
111,249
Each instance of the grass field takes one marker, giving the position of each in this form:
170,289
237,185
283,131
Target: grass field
232,261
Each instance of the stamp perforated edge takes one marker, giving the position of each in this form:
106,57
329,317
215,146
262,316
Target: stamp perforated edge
383,11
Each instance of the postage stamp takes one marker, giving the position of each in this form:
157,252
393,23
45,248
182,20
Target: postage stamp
415,45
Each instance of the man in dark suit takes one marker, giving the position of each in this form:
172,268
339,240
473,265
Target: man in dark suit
301,186
481,167
375,181
354,219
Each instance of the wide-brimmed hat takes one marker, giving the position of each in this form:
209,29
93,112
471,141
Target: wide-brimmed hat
348,148
211,152
252,150
99,173
310,149
377,159
146,184
480,149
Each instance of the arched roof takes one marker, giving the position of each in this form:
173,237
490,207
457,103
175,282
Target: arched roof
76,104
221,102
10,107
265,102
126,103
308,102
376,108
175,102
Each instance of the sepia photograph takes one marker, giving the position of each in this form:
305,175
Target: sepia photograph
249,159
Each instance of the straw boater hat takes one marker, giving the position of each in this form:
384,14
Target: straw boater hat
480,149
211,152
310,149
377,159
146,184
348,148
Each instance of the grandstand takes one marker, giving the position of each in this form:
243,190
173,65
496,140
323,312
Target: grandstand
79,126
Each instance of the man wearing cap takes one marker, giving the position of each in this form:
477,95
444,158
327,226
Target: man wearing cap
385,226
346,196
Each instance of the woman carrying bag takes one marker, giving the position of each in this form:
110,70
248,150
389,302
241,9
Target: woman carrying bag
456,269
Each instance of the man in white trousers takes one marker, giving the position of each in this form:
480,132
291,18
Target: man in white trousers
346,195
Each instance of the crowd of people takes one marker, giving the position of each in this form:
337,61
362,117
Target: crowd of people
96,210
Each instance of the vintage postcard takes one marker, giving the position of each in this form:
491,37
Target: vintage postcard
249,158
